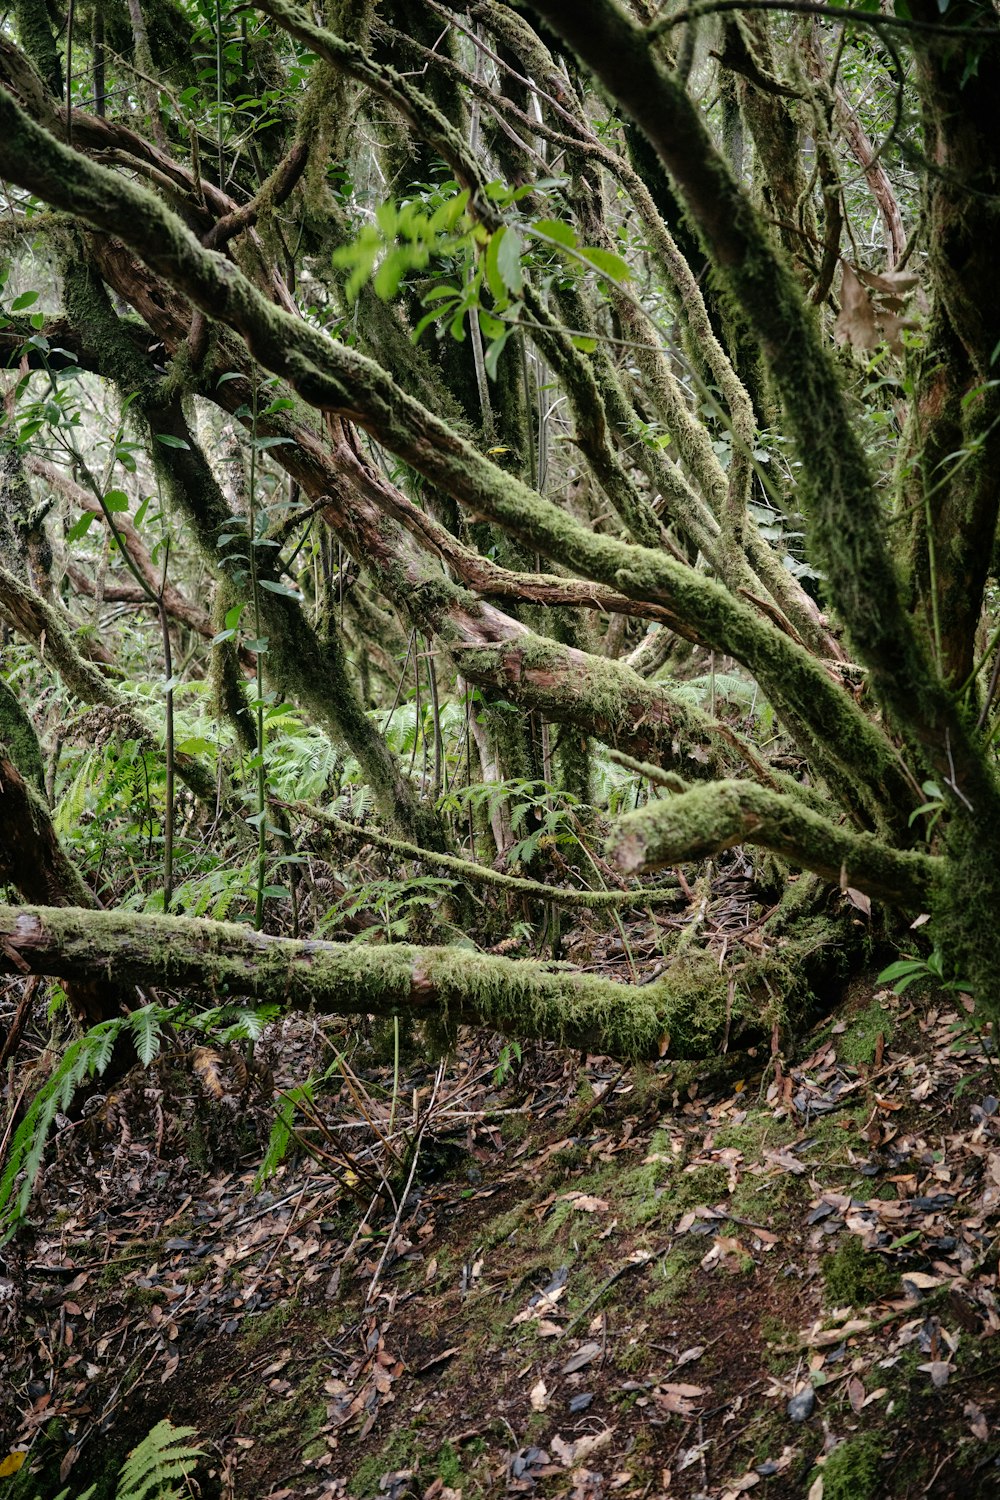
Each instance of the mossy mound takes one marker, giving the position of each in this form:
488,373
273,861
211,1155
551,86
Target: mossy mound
856,1277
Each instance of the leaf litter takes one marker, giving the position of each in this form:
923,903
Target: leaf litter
522,1320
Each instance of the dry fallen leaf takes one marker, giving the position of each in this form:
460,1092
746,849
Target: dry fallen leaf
977,1422
585,1203
585,1355
569,1454
859,900
539,1396
855,323
689,1355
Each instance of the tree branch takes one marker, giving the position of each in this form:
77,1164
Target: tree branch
708,819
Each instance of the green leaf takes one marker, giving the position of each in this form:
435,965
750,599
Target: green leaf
493,328
607,262
584,343
447,214
272,442
555,229
900,968
81,527
169,441
457,326
274,587
437,293
26,299
146,1025
509,254
116,500
494,352
391,272
387,219
494,280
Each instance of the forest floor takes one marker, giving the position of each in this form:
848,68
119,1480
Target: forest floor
773,1274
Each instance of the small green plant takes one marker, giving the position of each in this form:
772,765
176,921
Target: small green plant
88,1056
906,971
164,1455
508,1063
933,807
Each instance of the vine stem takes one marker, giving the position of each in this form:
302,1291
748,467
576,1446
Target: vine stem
258,911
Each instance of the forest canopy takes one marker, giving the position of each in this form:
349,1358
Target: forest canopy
498,510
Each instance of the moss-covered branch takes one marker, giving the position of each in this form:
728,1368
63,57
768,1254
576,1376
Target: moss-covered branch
842,502
473,874
710,818
686,1013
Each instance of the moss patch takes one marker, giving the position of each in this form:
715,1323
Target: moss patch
859,1042
856,1277
852,1471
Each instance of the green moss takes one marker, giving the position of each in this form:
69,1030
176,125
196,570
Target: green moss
17,734
859,1042
264,1327
672,1275
853,1470
401,1451
448,1467
963,923
759,1132
706,819
856,1277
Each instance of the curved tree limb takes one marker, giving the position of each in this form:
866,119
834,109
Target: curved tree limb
707,819
840,498
466,870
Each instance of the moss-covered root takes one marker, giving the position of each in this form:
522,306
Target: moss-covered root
687,1013
706,819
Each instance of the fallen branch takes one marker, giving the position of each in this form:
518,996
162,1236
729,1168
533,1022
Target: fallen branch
682,1012
465,870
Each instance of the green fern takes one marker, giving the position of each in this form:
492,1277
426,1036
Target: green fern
165,1454
86,1057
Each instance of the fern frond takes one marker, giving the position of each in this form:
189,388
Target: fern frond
163,1455
87,1056
147,1026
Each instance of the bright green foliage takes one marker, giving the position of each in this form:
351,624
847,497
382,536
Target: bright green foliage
148,1473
